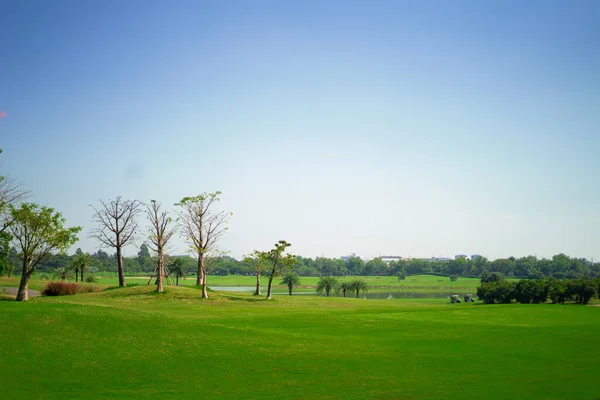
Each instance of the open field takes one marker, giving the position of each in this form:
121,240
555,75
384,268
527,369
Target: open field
117,343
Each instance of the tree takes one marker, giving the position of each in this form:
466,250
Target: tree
278,261
80,262
202,227
117,225
161,232
257,265
145,259
62,273
355,266
4,251
357,286
178,268
487,277
344,287
38,230
11,192
375,267
326,284
291,280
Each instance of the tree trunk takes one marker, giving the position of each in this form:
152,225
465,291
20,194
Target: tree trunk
23,293
269,286
327,291
176,279
159,280
357,292
120,269
76,274
161,272
203,280
199,272
290,289
257,292
81,280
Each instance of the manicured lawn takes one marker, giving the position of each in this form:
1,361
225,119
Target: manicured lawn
131,343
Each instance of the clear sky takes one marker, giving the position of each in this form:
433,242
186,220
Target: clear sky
377,127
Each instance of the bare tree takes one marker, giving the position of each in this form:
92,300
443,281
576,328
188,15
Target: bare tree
117,226
11,192
161,231
202,227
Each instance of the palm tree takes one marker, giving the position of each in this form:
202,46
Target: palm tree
326,283
79,263
62,273
291,280
178,268
344,287
357,286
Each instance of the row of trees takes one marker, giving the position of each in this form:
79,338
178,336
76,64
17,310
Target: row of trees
539,291
560,266
330,283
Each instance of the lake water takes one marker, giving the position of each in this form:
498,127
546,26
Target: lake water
404,294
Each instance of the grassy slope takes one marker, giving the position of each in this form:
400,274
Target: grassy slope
101,345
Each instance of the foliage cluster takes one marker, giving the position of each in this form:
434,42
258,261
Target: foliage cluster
579,291
61,289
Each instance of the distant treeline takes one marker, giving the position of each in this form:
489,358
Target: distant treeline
560,266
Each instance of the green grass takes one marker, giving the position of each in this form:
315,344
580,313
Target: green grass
391,282
133,343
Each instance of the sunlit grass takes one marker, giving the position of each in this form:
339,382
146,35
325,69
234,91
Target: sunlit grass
135,343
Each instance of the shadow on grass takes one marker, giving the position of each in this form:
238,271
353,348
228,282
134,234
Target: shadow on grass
253,299
122,287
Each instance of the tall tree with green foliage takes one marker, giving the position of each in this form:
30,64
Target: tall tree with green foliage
291,280
202,227
278,261
326,284
38,231
257,265
161,231
116,226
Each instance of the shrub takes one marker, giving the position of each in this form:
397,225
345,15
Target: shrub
91,279
453,278
61,289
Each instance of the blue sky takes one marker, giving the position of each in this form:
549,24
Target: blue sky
376,127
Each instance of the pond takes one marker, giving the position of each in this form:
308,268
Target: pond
398,294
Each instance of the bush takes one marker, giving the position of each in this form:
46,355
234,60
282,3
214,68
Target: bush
61,289
453,278
91,279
